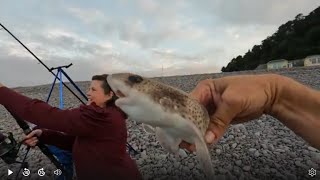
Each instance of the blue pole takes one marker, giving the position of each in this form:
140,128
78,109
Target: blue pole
54,82
65,157
61,93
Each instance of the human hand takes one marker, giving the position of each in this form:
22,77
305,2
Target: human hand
32,138
231,100
1,85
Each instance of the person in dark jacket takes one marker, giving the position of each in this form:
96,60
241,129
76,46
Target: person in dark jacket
96,133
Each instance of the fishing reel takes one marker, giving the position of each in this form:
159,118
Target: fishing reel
9,149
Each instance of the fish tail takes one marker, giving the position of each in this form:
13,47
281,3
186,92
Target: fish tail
204,157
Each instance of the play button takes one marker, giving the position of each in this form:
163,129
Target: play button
9,172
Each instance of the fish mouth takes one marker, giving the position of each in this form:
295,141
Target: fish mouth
120,94
117,87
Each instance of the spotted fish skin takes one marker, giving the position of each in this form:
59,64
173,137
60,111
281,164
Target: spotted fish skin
173,114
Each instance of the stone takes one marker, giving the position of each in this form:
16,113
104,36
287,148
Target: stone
246,168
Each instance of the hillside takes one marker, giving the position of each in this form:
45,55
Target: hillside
295,39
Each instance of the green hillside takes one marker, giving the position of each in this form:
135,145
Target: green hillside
295,39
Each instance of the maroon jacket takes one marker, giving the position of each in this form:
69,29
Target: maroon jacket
97,136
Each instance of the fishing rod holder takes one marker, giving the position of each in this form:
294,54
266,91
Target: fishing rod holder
66,66
59,75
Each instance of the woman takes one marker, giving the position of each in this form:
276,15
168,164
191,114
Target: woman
96,133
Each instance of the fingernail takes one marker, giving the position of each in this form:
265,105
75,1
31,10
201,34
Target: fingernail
210,137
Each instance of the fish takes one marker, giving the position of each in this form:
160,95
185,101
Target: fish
172,114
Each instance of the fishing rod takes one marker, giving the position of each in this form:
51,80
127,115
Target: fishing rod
50,70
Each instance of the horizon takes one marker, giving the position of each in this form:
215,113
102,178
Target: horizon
147,37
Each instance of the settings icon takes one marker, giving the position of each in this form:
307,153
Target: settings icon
312,172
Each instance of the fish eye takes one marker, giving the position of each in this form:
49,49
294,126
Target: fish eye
135,78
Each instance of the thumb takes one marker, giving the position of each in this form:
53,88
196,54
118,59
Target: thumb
219,122
30,135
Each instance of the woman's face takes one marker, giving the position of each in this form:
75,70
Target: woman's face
96,94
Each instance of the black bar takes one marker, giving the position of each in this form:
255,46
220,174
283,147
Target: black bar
66,66
70,80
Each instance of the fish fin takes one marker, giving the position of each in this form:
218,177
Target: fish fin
167,141
148,128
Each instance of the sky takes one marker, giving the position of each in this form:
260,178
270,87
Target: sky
147,37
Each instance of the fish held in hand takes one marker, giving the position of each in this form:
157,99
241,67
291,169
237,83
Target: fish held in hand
167,111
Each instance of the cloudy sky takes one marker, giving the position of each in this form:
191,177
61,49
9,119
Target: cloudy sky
149,37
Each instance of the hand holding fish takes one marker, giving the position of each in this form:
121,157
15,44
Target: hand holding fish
232,99
238,99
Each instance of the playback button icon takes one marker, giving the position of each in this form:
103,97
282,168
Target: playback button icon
26,172
9,172
312,172
41,172
57,172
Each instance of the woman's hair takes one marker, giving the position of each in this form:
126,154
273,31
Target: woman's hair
105,86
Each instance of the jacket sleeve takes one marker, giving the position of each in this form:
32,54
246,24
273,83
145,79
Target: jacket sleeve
83,121
61,140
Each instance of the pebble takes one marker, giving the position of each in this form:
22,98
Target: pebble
311,164
252,150
280,150
144,155
238,162
191,165
286,140
163,171
298,163
257,154
234,145
264,146
176,165
291,176
305,152
246,168
271,147
235,155
218,151
266,170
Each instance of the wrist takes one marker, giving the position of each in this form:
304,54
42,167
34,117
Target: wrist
291,96
297,107
274,89
284,93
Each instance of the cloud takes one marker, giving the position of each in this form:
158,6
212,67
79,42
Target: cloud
272,12
88,16
160,25
55,47
149,6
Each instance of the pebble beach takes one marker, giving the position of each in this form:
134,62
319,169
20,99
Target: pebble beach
260,149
